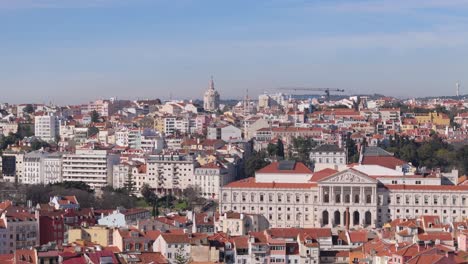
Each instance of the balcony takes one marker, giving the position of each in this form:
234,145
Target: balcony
259,249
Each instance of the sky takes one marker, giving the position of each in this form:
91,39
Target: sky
74,51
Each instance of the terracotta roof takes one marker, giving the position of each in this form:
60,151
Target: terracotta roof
358,236
251,183
385,161
299,167
321,174
241,242
428,187
433,236
171,238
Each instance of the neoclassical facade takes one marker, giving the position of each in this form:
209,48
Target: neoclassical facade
211,98
349,198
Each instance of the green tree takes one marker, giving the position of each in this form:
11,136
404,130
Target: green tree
255,162
301,148
29,108
129,185
351,148
92,131
150,197
95,118
181,257
272,149
280,149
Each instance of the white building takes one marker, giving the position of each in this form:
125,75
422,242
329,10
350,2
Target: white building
93,167
328,156
211,98
346,198
209,179
171,244
41,168
46,127
170,173
226,133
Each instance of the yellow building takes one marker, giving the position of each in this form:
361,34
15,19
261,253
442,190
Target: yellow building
101,235
435,118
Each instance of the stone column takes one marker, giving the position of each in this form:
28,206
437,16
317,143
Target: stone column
351,195
361,195
341,194
331,195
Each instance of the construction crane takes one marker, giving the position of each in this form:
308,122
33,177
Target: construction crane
326,90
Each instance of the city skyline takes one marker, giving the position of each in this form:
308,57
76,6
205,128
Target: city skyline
69,52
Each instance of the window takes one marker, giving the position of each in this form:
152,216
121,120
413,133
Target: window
288,198
418,182
244,199
426,199
261,197
270,197
454,200
407,199
279,198
298,198
306,198
394,182
398,199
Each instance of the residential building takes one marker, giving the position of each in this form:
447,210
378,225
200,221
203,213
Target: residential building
46,127
91,166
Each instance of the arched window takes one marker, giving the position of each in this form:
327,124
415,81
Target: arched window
368,198
225,197
347,198
356,198
338,198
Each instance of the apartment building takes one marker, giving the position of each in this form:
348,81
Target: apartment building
41,168
209,179
170,173
46,127
19,228
91,166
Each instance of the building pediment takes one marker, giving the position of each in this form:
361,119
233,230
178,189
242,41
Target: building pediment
348,176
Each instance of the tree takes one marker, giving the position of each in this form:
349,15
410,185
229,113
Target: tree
192,195
181,256
95,116
280,148
150,197
37,144
272,149
92,131
255,162
129,185
301,148
29,108
351,148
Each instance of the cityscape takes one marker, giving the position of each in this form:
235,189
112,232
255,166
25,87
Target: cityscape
277,166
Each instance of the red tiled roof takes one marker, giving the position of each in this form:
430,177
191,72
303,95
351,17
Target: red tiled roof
251,183
428,187
358,236
273,168
318,175
385,161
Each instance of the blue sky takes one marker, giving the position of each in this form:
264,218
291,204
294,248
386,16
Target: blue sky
72,51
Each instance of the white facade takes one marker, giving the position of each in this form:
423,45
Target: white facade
170,172
46,127
41,168
93,167
210,178
328,156
345,198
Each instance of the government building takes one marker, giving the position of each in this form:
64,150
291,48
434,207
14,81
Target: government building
289,194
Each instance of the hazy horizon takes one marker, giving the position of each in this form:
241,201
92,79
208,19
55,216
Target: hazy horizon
69,52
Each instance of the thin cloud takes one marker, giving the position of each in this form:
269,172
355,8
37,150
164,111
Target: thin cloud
390,6
50,4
